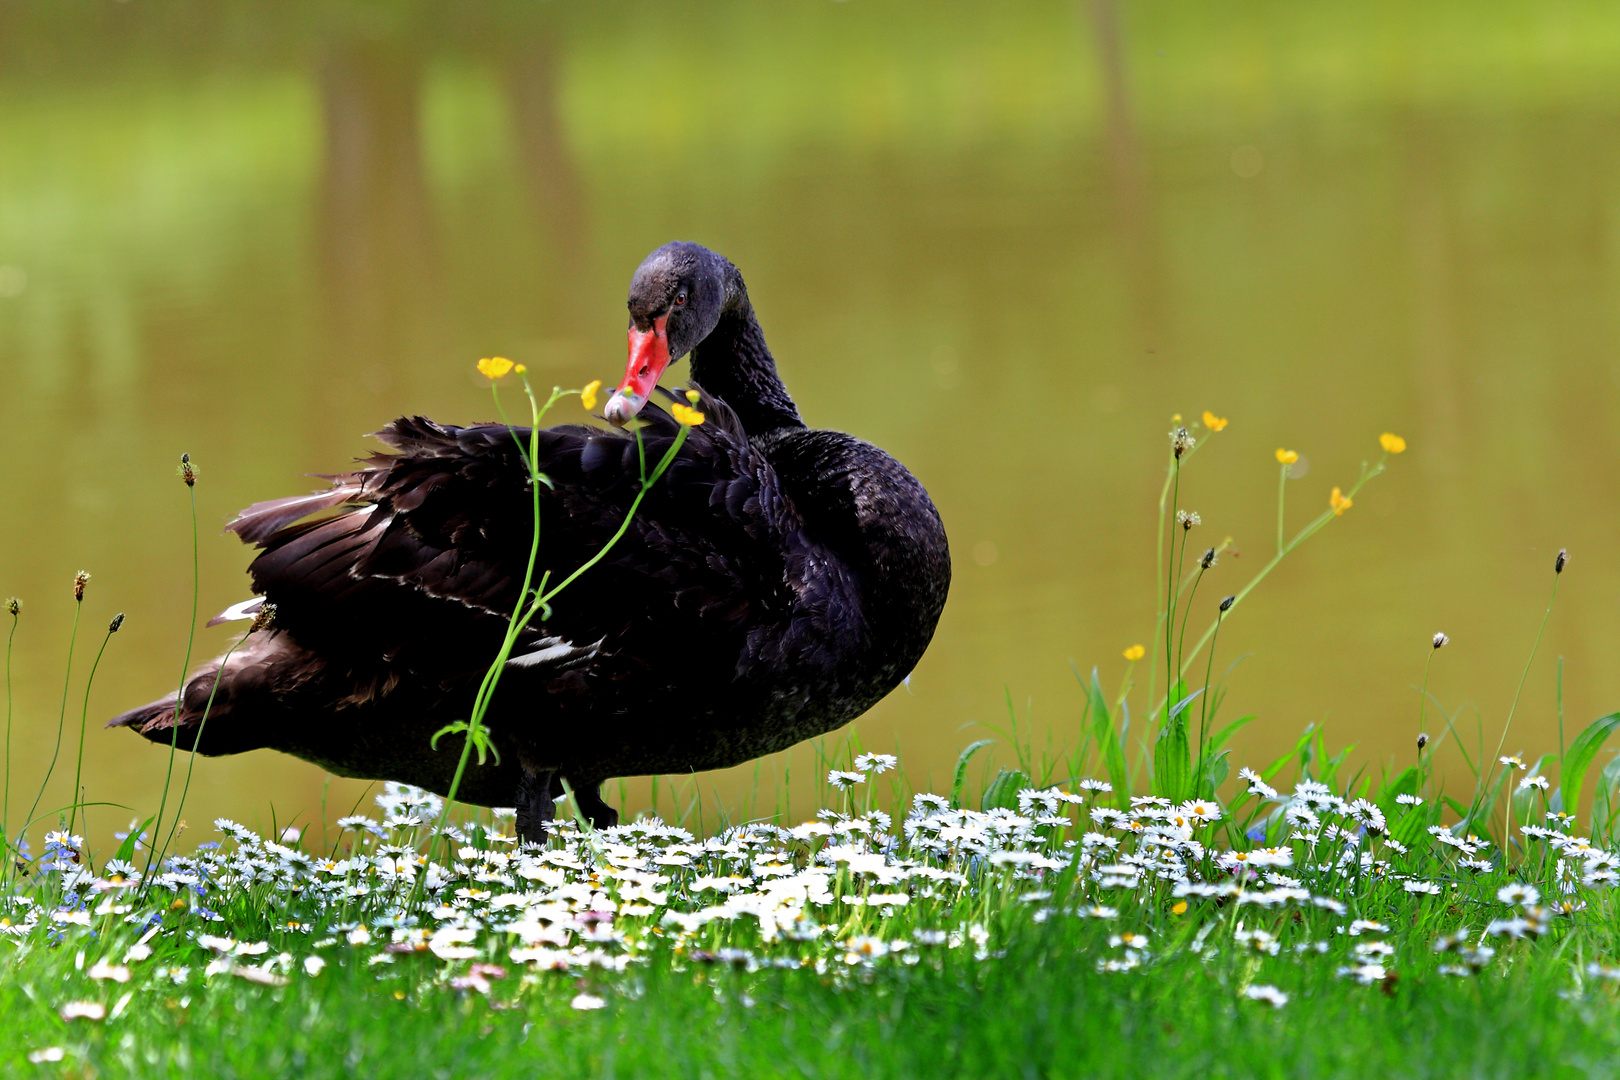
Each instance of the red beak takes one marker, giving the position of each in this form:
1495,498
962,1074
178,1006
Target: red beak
649,356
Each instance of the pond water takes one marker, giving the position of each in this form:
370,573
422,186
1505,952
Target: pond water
1006,245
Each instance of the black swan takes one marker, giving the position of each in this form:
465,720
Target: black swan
775,583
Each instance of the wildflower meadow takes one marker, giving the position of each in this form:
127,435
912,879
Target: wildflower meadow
1117,899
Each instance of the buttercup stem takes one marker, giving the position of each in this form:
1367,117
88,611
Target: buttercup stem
1282,488
1300,537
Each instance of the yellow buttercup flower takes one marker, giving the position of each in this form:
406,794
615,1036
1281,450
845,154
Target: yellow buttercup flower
1179,909
1213,422
686,414
521,369
693,396
1339,501
1393,444
494,367
1287,457
1135,652
587,396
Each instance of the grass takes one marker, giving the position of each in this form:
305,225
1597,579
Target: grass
1114,906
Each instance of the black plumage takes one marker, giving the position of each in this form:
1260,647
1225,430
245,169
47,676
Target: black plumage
773,584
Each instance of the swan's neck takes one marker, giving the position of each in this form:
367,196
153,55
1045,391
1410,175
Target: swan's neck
734,364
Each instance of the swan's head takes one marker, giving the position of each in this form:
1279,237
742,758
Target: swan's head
676,298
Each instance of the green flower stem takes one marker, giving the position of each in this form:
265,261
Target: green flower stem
1168,618
527,609
1310,530
1282,487
179,696
1423,701
61,719
1491,766
84,715
1203,705
5,810
1186,615
191,763
1158,566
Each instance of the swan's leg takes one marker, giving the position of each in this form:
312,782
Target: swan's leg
534,805
600,814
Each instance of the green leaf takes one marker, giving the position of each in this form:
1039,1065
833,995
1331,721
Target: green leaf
1406,823
1218,740
961,770
1573,769
1172,753
448,729
1003,790
1172,762
1606,800
481,742
126,850
1406,783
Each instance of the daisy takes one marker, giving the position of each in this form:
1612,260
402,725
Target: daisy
843,781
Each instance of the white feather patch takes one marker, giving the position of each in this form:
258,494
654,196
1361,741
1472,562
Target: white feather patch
245,610
552,649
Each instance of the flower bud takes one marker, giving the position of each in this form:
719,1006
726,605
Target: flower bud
264,619
79,581
1423,739
1440,640
117,621
13,606
1208,560
188,471
1562,561
1226,605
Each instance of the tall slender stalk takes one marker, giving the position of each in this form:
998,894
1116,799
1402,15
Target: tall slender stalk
1423,702
14,607
1203,705
1204,563
67,679
188,473
1558,573
84,715
1169,606
266,615
1282,490
1158,564
1311,529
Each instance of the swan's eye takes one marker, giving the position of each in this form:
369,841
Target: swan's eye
680,299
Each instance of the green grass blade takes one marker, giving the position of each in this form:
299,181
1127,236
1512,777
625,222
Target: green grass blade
1576,763
960,779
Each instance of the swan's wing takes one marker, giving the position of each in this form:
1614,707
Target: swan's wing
418,558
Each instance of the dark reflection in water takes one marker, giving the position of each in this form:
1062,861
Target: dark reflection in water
1007,247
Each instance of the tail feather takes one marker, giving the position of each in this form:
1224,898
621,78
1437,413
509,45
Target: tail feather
156,723
209,721
255,524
